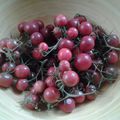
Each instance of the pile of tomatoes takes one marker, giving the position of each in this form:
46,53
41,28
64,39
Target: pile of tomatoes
59,65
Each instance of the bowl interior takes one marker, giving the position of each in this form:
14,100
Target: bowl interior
104,12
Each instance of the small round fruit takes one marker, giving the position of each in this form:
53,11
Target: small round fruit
60,20
50,81
30,101
73,23
22,71
40,23
45,32
83,62
96,77
91,89
38,87
64,54
12,44
85,28
57,32
81,97
22,84
36,54
72,33
113,57
67,105
113,40
2,44
51,71
6,80
111,72
36,38
8,67
65,43
51,94
31,27
70,78
43,46
64,65
87,43
81,18
21,27
16,54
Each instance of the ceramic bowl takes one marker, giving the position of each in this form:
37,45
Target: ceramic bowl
105,12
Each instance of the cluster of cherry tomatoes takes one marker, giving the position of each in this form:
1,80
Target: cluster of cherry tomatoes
58,65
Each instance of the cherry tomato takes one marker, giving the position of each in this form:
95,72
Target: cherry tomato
22,71
67,105
113,57
89,89
21,27
83,62
38,87
65,43
51,71
36,54
31,27
30,101
50,81
81,98
64,54
8,66
72,33
36,38
113,40
60,20
73,23
22,84
70,78
85,28
64,65
87,44
6,80
51,94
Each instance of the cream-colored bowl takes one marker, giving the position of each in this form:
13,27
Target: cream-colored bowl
105,12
